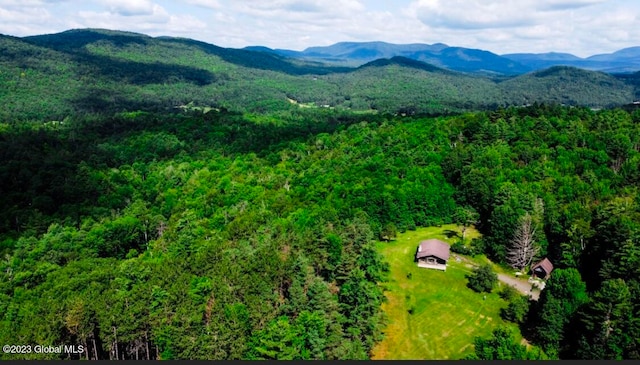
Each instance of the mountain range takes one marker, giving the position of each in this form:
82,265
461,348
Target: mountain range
87,71
462,59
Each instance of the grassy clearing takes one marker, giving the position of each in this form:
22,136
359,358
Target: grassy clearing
432,314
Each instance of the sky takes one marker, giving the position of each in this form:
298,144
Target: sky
580,27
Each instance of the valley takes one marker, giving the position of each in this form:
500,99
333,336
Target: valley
132,71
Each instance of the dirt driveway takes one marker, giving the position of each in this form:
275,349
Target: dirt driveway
522,285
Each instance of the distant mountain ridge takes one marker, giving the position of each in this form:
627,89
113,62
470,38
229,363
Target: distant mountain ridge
439,54
626,60
355,54
462,59
91,71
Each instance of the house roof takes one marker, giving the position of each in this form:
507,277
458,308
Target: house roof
545,264
433,247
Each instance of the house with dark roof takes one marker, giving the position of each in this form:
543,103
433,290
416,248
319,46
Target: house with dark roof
542,269
432,254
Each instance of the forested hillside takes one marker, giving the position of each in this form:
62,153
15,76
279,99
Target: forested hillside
162,198
207,236
90,71
220,235
576,174
569,86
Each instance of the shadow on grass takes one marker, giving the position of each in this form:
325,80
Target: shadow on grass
449,233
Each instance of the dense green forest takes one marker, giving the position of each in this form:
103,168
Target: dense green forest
169,199
221,235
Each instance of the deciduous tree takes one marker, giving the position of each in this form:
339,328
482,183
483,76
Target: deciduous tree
482,279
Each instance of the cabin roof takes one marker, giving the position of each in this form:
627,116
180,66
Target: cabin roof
545,264
433,247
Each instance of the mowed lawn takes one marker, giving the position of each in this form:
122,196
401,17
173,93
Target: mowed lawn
446,315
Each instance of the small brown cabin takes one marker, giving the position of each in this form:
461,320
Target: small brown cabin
542,269
433,254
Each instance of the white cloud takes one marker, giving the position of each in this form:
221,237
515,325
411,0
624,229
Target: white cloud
582,27
27,3
25,20
476,14
283,11
130,7
567,4
158,22
300,24
211,4
488,14
504,26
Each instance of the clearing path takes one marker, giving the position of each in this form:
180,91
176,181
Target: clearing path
521,285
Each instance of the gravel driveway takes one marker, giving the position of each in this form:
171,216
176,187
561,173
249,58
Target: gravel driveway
522,285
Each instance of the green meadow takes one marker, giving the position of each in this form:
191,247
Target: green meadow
432,314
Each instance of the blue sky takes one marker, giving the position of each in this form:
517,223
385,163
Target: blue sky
581,27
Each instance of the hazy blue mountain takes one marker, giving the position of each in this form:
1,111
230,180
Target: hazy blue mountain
353,54
622,61
538,61
370,50
631,54
549,56
439,54
468,60
471,60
